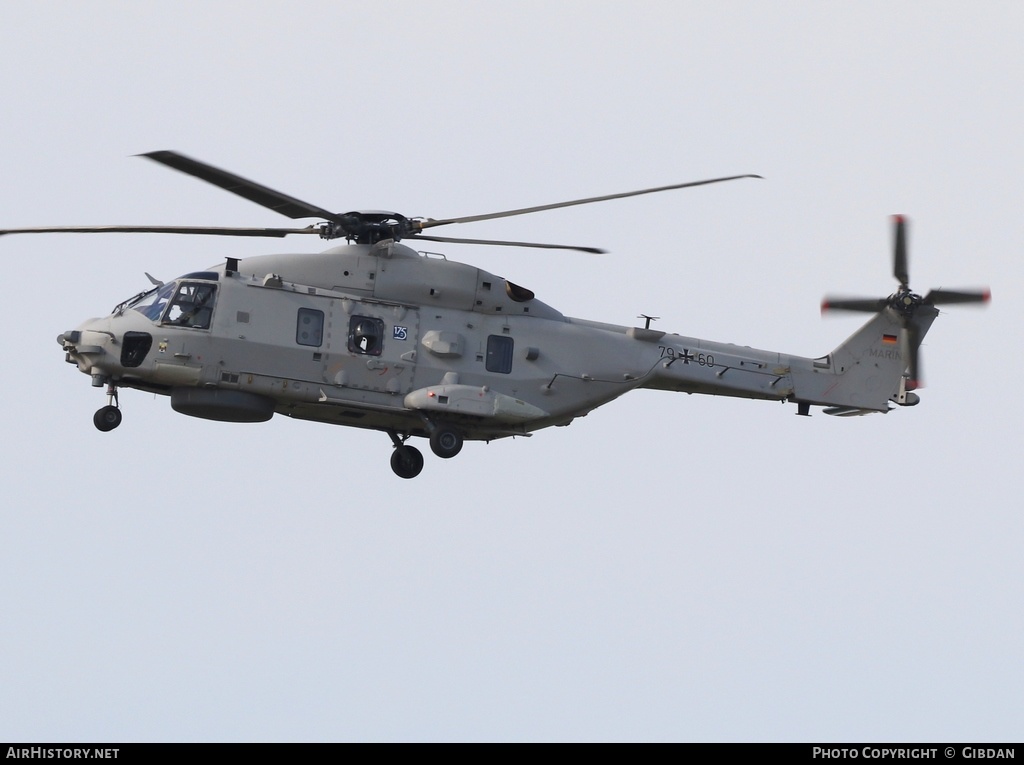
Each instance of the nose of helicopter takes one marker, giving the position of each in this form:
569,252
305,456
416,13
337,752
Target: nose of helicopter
88,345
90,331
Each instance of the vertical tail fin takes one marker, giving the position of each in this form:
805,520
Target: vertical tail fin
867,370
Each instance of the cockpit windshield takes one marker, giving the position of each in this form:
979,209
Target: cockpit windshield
152,304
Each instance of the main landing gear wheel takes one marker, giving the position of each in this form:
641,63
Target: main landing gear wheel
406,461
107,418
445,442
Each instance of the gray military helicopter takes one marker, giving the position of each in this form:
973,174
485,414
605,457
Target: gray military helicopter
374,334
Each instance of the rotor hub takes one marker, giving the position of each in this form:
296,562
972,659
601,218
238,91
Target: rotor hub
366,227
905,301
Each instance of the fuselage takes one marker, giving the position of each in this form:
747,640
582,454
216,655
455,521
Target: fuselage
384,337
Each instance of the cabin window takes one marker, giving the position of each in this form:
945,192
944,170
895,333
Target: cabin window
192,306
499,354
310,328
366,335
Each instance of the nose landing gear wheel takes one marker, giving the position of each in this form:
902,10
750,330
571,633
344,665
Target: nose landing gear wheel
445,442
406,461
107,418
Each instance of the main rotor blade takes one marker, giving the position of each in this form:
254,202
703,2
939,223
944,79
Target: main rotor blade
212,230
865,305
899,254
938,297
430,223
453,240
254,192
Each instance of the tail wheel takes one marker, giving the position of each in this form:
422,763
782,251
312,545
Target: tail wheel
445,442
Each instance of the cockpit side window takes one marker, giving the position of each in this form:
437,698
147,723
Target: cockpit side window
192,305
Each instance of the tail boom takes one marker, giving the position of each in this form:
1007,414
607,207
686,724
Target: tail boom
863,374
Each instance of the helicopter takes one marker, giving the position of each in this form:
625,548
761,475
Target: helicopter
374,334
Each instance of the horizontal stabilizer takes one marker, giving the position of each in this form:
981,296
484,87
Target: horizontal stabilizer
849,411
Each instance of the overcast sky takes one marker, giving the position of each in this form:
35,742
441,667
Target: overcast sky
670,567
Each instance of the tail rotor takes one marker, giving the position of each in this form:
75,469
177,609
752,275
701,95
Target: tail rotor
915,312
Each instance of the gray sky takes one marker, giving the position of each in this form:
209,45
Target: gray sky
669,567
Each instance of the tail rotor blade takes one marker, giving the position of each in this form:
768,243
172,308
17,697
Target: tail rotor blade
913,340
863,305
899,255
940,297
